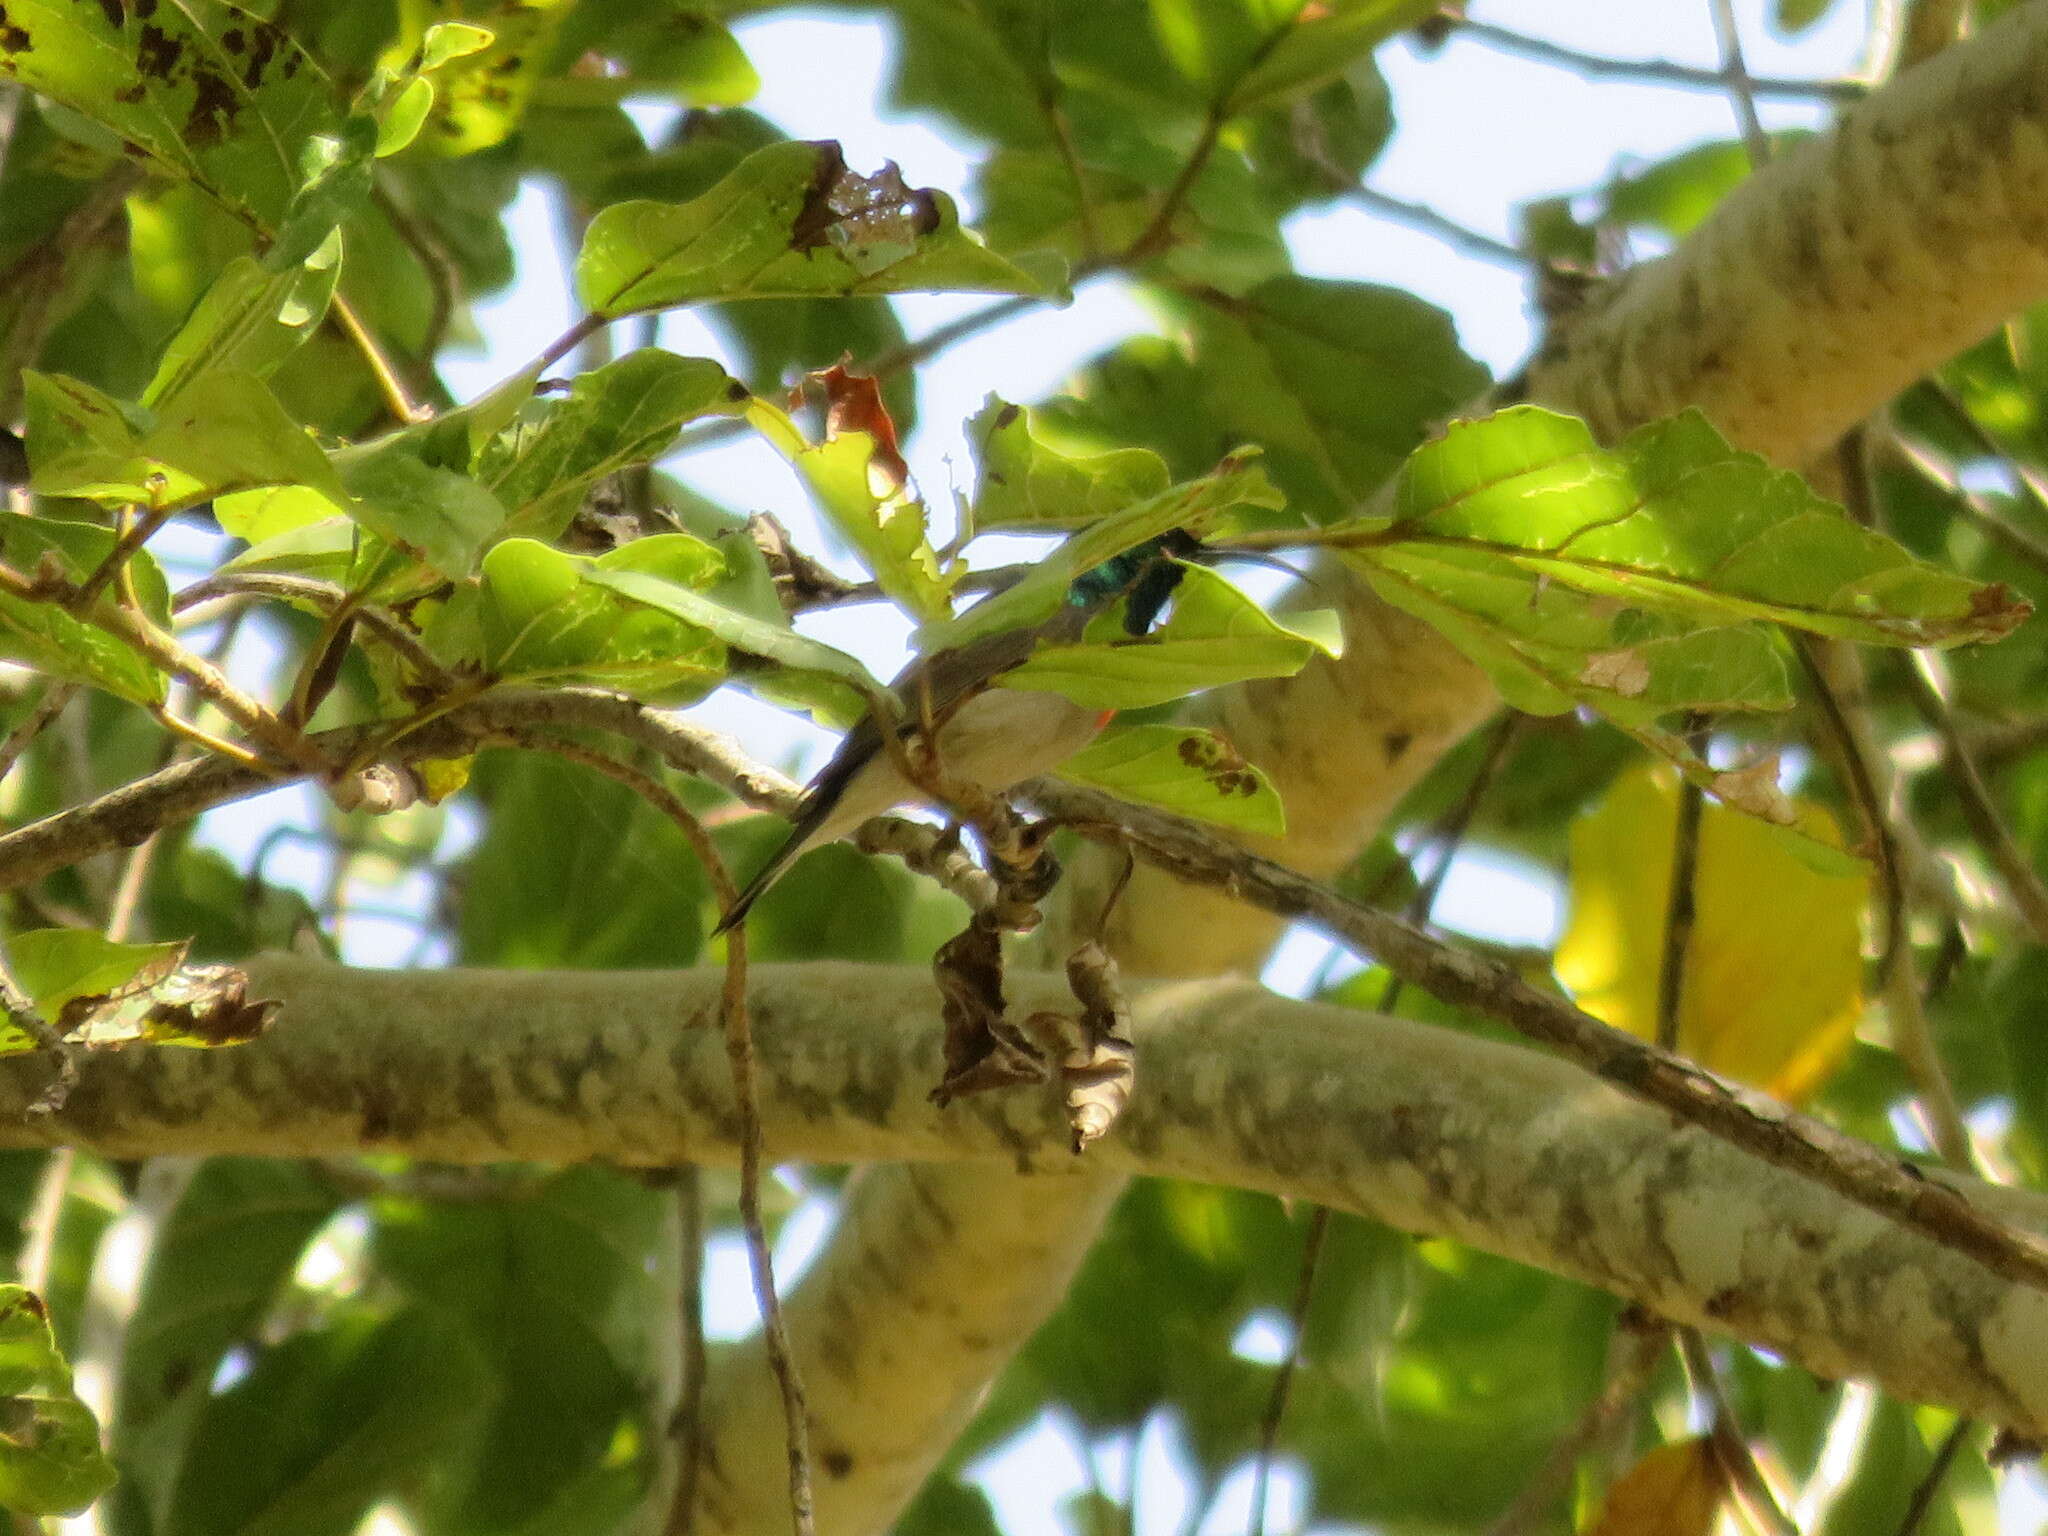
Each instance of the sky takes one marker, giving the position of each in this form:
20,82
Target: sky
1479,133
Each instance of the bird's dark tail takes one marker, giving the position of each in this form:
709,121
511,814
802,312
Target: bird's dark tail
768,874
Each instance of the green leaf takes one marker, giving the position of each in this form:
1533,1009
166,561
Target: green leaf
1318,45
1191,507
1215,635
481,92
223,432
544,614
1187,771
219,1260
1337,381
793,652
439,514
50,1457
249,318
1024,483
211,93
791,221
627,412
326,1423
559,1289
260,515
1797,15
572,869
869,505
56,965
1675,520
401,122
43,636
336,168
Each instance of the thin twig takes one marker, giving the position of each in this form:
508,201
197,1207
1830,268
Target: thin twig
1654,71
1631,1360
1421,216
1930,1483
740,1053
1153,238
1680,903
1276,1403
327,595
1738,1462
48,707
1973,796
689,1427
137,534
1448,835
1741,1116
1741,89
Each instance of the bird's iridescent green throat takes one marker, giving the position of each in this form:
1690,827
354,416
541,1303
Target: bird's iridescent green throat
1146,572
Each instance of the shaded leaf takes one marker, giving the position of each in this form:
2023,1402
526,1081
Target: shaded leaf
791,221
43,636
223,432
221,1256
1318,44
325,1424
1187,771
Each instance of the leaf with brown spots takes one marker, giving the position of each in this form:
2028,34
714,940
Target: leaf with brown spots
1184,770
208,92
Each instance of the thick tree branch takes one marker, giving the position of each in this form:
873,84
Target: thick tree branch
1844,270
1416,1126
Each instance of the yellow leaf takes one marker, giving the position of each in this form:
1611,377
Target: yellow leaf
1773,972
1676,1490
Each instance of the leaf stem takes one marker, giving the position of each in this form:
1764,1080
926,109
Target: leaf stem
396,399
1153,238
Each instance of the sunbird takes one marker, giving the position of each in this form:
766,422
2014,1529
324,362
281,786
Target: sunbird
991,736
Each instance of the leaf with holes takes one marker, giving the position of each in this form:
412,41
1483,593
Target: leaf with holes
791,221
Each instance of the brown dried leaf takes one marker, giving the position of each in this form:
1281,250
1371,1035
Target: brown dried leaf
197,1005
1100,1068
1676,1490
983,1050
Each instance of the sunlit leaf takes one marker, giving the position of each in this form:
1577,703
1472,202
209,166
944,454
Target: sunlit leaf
1773,971
45,637
1215,635
50,1458
211,93
1023,482
1676,520
1191,508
